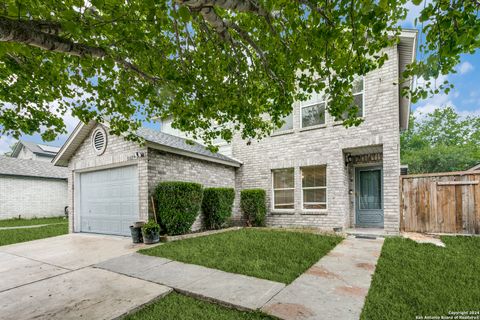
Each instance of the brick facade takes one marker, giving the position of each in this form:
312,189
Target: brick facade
164,166
154,166
30,197
322,145
327,145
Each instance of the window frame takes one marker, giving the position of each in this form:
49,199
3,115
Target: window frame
277,132
363,96
282,189
317,103
315,188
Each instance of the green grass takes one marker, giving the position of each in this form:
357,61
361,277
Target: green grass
176,306
263,253
21,235
16,222
414,279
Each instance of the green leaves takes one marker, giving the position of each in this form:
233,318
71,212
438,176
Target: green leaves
441,141
215,71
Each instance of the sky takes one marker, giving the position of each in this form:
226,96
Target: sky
465,97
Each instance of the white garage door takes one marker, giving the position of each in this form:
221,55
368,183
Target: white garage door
109,200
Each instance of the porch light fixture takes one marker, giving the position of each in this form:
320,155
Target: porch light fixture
348,159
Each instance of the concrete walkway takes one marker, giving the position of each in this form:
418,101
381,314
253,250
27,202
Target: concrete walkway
334,288
53,279
235,290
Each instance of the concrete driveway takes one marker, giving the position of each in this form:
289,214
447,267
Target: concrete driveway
53,279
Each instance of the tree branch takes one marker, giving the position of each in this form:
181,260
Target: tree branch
23,32
220,26
314,8
234,5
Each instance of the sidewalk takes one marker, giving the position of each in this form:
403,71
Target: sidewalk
235,290
334,288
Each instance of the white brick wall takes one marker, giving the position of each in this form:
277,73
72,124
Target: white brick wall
156,166
118,152
298,148
30,197
326,146
163,166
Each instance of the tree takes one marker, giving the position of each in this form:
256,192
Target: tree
238,64
441,141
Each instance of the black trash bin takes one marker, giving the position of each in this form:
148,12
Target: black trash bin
136,234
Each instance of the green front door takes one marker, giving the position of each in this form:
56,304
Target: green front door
369,197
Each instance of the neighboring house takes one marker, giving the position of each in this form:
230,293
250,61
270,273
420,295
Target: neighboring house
34,151
475,168
31,188
316,172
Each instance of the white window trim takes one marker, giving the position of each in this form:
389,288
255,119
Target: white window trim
363,97
312,188
320,125
339,122
287,210
278,132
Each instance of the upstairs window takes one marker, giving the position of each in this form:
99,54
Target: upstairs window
288,125
283,189
313,110
357,92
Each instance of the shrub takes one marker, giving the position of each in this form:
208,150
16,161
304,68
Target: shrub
179,204
151,226
252,202
217,206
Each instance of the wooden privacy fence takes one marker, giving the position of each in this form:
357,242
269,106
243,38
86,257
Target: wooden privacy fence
442,202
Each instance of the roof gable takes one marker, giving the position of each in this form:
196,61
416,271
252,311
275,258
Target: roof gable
36,148
154,139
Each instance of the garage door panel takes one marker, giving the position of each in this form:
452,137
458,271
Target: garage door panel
109,200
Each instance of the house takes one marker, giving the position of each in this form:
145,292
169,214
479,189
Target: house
316,172
34,151
31,188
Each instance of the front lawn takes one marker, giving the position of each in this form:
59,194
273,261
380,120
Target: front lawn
263,253
15,222
10,236
414,279
176,306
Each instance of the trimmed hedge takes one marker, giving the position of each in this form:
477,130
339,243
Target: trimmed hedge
252,202
217,206
179,204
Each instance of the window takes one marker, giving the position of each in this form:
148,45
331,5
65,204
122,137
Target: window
314,187
283,189
313,115
357,93
288,125
313,110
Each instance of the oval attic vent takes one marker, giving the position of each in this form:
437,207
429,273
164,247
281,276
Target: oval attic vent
99,141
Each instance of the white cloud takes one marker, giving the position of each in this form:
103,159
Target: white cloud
465,67
438,101
5,143
413,12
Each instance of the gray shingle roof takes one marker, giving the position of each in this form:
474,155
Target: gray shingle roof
31,168
37,149
180,143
